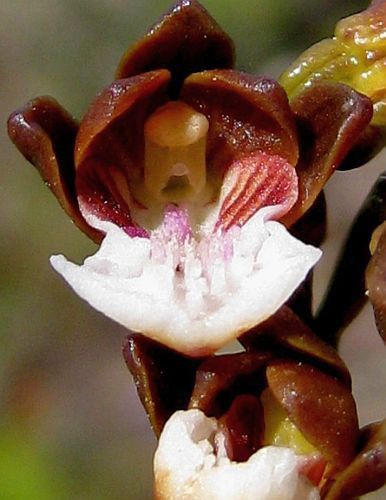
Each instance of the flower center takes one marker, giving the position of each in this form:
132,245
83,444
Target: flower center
175,146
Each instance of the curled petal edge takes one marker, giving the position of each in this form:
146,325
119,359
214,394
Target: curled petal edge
44,132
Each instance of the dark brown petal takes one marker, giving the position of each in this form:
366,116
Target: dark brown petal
246,114
45,134
121,108
163,377
100,196
330,117
368,471
186,40
109,148
287,334
376,284
346,291
243,427
321,407
220,378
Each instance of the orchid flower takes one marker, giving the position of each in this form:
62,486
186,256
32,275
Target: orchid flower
204,187
192,174
275,421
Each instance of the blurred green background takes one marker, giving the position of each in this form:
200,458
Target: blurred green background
71,426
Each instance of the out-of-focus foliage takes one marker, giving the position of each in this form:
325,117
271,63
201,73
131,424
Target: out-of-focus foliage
25,470
71,422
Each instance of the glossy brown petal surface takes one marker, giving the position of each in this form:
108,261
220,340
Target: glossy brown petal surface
368,471
164,378
330,119
109,151
45,134
220,378
286,333
186,40
321,407
243,427
376,284
246,114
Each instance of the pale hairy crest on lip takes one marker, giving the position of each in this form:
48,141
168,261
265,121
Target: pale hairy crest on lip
193,295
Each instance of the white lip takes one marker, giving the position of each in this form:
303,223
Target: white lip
212,302
188,467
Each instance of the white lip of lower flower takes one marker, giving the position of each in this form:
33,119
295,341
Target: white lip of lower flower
192,296
188,465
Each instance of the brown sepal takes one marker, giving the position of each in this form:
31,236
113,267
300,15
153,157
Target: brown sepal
164,378
220,379
243,427
286,333
320,406
246,114
45,134
376,284
367,472
109,149
186,40
330,117
118,114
